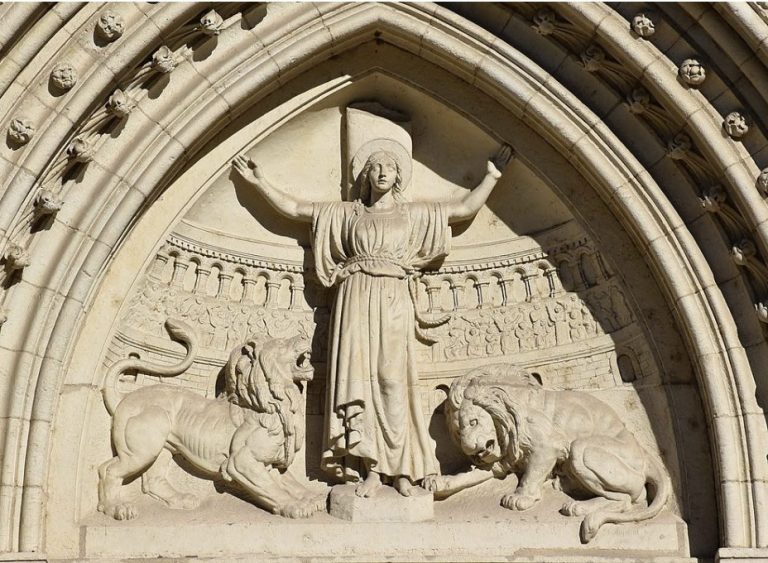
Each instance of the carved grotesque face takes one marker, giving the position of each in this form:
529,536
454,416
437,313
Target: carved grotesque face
382,172
478,434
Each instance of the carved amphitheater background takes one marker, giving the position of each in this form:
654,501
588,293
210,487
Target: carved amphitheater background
625,255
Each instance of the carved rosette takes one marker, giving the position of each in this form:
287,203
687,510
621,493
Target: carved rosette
643,25
110,26
64,76
735,125
692,72
21,130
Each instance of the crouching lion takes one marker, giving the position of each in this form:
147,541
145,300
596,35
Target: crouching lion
249,436
507,423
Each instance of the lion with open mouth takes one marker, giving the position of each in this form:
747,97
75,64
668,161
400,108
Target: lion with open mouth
506,422
249,436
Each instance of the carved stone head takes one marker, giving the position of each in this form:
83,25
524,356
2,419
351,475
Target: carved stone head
382,171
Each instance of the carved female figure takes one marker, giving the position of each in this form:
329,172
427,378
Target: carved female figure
370,249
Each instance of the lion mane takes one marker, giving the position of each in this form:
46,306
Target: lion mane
249,435
488,388
573,435
257,378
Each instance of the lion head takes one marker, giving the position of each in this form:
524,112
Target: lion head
484,416
264,372
263,375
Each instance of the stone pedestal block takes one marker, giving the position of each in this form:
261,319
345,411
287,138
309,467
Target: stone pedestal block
387,506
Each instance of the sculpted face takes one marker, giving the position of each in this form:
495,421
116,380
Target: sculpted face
478,434
382,172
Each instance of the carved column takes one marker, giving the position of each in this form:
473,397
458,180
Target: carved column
201,279
180,267
481,293
527,277
555,287
506,285
297,289
458,295
272,288
161,259
249,288
225,285
433,290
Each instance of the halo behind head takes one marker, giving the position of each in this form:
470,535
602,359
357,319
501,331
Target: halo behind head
384,145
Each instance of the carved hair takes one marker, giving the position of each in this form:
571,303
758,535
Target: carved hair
365,182
258,378
492,388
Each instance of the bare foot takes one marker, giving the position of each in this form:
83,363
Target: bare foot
403,486
369,487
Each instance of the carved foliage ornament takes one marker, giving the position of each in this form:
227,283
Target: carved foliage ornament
643,25
735,124
742,251
110,26
592,58
638,100
544,22
712,198
119,104
21,130
47,202
762,181
679,146
211,23
164,60
692,72
80,150
16,257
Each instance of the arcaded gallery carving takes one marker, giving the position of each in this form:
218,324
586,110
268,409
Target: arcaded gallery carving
383,281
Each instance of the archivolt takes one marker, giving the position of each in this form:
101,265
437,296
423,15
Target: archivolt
255,55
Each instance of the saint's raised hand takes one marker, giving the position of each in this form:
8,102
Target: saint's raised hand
502,157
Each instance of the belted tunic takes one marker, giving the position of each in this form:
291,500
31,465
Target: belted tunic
373,411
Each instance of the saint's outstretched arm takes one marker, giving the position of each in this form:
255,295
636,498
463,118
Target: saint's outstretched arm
283,203
469,205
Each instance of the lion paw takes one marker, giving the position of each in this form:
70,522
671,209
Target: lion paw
517,501
589,528
120,511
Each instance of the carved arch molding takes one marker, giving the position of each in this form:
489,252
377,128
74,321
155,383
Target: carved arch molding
624,254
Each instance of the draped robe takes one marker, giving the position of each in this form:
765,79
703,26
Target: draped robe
373,412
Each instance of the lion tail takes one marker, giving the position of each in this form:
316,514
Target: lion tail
180,332
657,481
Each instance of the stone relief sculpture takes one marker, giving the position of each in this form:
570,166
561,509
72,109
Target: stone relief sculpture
372,249
507,423
248,437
